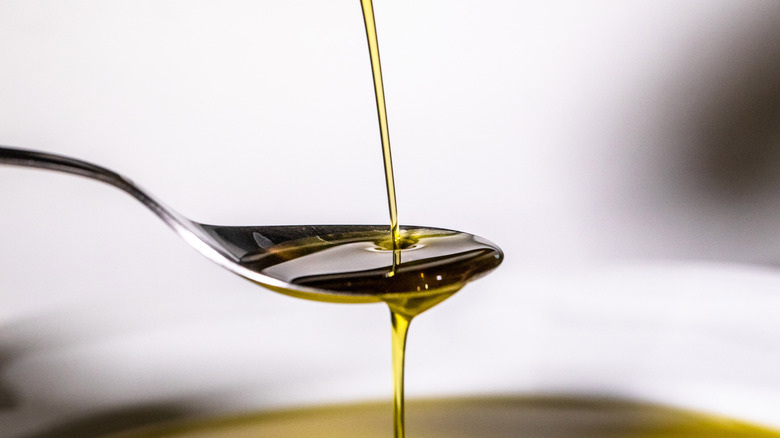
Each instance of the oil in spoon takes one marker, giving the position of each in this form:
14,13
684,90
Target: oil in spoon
354,265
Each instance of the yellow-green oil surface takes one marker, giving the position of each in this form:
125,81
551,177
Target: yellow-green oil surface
494,417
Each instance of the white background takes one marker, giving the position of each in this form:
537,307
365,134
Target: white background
569,133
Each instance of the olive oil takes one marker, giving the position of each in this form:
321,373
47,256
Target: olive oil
423,269
400,315
381,109
411,269
496,417
435,263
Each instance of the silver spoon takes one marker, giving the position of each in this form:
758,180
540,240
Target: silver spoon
256,252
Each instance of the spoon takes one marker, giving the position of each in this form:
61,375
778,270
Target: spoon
332,263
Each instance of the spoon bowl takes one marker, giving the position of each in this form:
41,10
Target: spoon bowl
332,263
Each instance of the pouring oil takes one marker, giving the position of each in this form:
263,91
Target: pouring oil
412,269
423,269
400,313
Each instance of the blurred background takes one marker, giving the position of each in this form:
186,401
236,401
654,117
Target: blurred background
625,155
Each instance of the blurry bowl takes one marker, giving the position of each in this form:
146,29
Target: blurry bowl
696,336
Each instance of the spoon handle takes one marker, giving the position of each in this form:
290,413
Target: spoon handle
206,239
43,160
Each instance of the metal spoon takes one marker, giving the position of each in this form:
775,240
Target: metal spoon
246,250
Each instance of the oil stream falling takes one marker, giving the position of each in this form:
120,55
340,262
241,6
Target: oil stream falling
400,323
381,109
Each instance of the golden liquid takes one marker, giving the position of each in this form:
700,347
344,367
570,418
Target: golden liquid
433,265
356,265
494,417
400,321
381,109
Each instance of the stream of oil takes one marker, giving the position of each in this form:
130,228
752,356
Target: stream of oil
410,268
381,109
401,316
